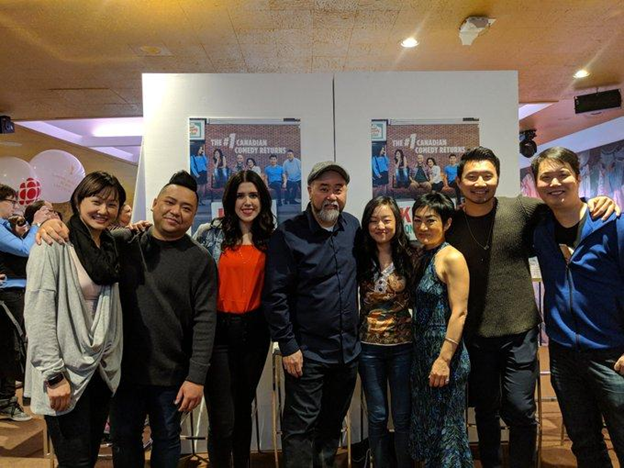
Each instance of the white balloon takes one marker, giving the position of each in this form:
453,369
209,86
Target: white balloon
14,171
59,173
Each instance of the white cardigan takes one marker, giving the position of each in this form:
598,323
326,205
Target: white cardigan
64,335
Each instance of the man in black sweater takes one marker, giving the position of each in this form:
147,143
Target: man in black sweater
168,297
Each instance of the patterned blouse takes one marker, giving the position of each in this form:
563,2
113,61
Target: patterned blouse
385,317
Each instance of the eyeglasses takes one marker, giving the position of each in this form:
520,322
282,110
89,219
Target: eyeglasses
10,200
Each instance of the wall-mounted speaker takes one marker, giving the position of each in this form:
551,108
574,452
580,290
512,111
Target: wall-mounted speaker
6,126
597,101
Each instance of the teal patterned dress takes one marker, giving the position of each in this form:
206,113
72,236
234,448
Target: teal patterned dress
438,428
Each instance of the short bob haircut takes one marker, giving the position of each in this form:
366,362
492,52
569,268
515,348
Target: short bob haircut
559,154
262,226
29,212
101,184
479,153
437,202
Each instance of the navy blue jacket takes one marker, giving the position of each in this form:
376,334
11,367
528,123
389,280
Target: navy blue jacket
310,289
584,299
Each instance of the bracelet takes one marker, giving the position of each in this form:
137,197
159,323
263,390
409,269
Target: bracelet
450,340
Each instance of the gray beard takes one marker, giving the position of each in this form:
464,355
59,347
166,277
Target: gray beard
327,216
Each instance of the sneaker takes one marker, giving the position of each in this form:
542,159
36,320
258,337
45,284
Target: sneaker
14,411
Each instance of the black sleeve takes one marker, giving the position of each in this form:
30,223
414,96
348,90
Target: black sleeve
204,321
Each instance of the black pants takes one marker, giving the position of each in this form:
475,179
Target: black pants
10,367
277,186
503,376
238,357
316,404
76,436
454,185
292,190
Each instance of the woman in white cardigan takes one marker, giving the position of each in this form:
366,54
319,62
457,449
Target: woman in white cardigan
74,326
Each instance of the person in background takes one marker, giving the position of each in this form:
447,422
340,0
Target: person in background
168,325
435,175
125,216
583,310
275,178
221,172
440,366
199,169
292,175
74,325
401,169
238,242
240,163
385,268
495,235
419,182
380,167
450,177
310,302
14,251
251,166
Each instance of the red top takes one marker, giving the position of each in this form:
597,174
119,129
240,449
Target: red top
241,277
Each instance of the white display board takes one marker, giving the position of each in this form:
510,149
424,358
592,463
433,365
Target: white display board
491,97
169,100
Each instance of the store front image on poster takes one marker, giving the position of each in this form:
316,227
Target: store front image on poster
413,157
270,148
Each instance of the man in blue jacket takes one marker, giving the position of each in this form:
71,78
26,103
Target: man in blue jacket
310,302
582,263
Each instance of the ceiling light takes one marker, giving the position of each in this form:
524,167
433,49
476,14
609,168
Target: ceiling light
409,43
582,73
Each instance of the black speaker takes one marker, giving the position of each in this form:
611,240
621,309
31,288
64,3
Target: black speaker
6,126
528,147
597,101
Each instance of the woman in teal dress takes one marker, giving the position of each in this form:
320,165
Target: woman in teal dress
440,364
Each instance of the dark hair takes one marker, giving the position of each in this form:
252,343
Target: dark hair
220,157
183,179
252,160
273,156
478,154
6,191
559,154
400,151
262,226
436,201
96,183
402,254
29,212
431,159
452,155
290,151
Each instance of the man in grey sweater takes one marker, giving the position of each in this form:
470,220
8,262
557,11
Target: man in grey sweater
168,297
495,235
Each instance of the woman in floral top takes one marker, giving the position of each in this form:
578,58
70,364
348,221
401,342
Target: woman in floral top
385,266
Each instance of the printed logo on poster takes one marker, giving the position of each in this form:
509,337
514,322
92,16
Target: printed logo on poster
197,129
378,130
405,207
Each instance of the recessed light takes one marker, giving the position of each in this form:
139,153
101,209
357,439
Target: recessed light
582,73
409,43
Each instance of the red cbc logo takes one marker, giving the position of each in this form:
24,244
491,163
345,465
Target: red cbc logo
29,191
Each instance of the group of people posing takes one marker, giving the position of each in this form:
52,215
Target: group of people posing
455,312
423,177
284,179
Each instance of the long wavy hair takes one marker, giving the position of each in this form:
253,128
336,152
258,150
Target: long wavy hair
262,226
402,252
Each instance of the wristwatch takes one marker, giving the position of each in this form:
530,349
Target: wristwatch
52,381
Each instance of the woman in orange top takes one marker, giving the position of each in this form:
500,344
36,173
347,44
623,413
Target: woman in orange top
238,243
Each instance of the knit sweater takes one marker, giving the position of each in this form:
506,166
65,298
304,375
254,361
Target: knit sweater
168,296
501,300
64,334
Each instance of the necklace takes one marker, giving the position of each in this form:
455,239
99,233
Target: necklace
489,237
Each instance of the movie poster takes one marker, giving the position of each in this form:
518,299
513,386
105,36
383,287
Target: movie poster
220,148
414,157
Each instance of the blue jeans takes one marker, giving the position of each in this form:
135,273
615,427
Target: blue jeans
130,405
380,365
589,389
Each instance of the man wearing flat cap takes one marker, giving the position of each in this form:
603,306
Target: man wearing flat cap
310,302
